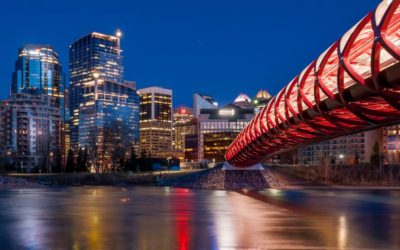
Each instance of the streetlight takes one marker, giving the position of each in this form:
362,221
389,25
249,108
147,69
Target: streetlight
118,33
341,156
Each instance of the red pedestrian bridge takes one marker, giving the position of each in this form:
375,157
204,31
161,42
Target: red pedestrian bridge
352,87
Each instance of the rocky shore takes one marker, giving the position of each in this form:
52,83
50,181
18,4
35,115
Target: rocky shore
216,178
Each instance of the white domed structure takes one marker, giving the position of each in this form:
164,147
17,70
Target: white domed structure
242,98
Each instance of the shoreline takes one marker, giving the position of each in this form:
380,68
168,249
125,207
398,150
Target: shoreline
160,179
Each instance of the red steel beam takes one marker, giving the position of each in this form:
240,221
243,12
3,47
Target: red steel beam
353,86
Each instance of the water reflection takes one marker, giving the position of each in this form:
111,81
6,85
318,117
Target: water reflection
173,218
342,232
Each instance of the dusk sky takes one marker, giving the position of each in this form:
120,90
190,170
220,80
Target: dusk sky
221,48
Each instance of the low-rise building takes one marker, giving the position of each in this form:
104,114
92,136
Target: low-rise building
219,127
30,131
347,150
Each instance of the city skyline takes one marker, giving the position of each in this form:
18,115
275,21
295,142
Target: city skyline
206,58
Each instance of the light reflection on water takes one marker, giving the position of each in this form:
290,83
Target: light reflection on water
175,218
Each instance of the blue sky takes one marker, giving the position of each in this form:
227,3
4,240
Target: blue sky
217,47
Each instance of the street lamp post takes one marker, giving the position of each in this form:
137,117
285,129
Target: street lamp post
341,156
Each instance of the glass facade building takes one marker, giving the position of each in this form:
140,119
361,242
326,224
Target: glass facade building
93,56
108,121
39,71
104,108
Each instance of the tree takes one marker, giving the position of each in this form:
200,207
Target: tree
132,163
70,166
145,161
375,156
57,165
82,160
356,158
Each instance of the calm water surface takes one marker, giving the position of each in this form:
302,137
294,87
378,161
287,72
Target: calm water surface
174,218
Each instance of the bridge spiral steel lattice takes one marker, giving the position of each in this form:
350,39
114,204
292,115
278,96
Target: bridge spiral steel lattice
353,86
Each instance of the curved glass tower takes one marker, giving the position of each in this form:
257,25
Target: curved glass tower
39,71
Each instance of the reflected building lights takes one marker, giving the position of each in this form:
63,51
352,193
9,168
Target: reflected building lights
342,232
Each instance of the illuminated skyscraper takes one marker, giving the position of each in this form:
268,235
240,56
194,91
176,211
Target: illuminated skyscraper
104,108
39,71
93,56
108,122
155,119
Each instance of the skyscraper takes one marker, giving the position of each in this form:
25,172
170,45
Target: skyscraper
155,119
39,71
108,122
104,108
93,56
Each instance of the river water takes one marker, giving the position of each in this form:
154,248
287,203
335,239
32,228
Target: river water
175,218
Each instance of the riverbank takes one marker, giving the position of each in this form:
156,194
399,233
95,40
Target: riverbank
15,183
17,180
282,178
348,176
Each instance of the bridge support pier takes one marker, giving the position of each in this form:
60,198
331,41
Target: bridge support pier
226,166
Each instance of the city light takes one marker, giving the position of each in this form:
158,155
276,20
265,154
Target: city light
118,33
226,112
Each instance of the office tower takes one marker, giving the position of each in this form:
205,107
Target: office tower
39,71
30,132
201,101
94,55
104,108
219,127
108,122
184,124
155,119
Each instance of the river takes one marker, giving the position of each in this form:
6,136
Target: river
175,218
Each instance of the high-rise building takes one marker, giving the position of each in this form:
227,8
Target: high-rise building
104,108
349,149
39,71
30,131
155,119
94,56
108,121
201,101
219,127
184,124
